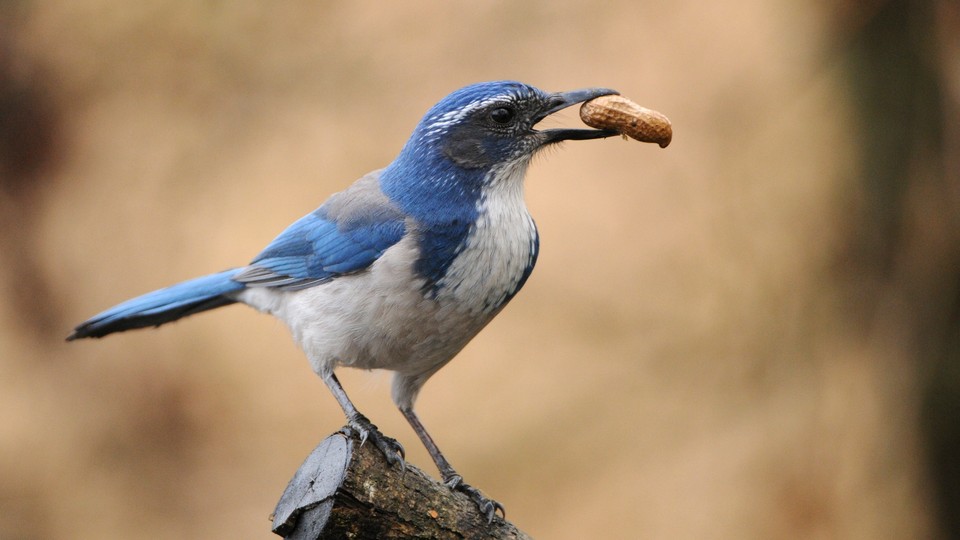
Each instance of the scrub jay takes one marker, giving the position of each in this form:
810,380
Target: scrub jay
404,267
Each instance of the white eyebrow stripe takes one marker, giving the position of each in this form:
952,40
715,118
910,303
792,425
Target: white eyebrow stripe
452,117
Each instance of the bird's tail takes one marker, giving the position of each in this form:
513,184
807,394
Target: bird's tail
162,306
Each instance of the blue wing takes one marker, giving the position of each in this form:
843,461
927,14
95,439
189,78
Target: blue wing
347,234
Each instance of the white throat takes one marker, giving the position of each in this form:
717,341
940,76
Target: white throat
498,250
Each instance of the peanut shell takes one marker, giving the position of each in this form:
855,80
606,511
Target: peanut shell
626,117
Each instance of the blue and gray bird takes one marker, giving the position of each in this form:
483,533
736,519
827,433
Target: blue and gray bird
404,267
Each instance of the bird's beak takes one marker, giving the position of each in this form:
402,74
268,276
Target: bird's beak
562,100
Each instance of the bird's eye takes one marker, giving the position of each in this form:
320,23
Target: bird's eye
502,115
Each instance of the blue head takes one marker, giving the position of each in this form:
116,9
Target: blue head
465,139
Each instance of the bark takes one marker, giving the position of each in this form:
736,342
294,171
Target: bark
348,490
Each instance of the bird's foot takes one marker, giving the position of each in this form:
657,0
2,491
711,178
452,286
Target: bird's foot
367,431
488,507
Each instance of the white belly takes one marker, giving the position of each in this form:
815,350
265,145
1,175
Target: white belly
375,319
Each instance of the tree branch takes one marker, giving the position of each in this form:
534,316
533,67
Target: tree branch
348,490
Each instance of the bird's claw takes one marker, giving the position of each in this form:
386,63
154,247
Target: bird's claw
365,430
487,507
453,481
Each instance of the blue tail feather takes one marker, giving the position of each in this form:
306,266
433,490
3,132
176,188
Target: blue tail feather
162,306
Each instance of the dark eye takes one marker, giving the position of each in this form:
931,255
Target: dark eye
502,115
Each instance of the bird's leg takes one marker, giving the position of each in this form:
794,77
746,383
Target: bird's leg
488,507
391,449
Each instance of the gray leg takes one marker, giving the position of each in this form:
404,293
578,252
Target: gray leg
450,477
391,449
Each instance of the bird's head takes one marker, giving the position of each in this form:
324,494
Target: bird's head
469,137
493,123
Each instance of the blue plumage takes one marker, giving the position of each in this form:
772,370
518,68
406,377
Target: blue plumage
163,306
316,249
400,270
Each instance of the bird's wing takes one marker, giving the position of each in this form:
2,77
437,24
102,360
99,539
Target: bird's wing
347,234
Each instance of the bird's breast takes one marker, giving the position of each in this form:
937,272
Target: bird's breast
496,256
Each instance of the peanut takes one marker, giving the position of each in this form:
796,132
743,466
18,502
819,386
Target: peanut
626,117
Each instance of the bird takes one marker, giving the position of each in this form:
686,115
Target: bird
400,270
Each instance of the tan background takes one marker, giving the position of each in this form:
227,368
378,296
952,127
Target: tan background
699,354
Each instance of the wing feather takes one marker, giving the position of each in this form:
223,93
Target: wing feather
345,235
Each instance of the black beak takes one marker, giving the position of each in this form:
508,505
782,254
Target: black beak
562,100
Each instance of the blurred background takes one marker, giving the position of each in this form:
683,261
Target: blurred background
751,334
